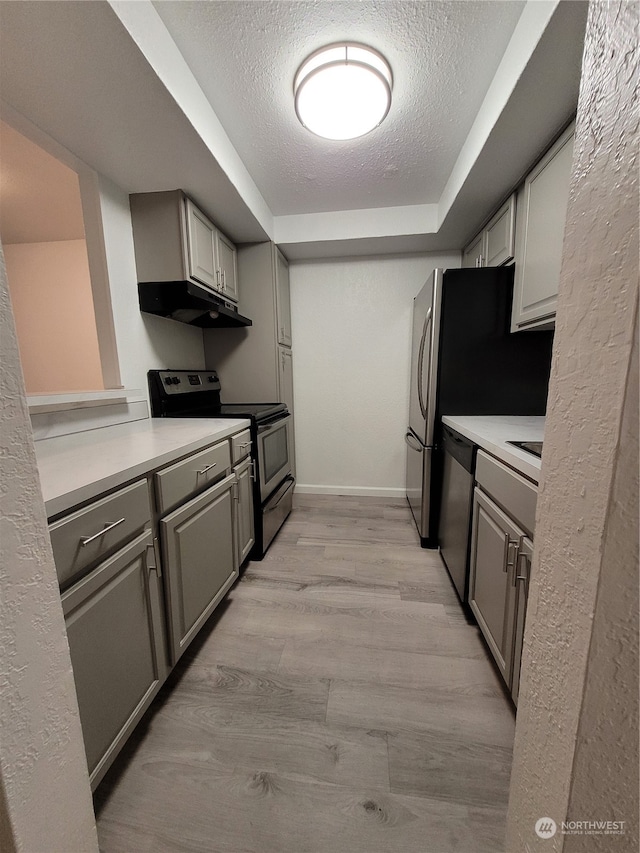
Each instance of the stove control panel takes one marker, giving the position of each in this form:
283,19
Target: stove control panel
188,381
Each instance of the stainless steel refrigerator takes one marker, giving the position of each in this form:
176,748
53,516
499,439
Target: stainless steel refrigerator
465,361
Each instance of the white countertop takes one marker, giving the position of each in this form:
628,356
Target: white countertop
77,468
492,432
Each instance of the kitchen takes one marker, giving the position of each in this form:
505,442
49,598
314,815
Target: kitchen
119,263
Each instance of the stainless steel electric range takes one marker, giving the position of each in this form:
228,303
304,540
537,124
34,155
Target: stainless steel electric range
196,394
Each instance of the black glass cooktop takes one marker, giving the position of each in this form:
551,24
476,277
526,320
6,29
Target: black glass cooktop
256,410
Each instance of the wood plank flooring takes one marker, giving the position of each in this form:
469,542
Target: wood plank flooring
337,702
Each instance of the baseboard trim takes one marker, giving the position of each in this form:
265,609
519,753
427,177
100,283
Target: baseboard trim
354,491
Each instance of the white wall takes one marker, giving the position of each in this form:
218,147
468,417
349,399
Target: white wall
53,309
143,341
351,323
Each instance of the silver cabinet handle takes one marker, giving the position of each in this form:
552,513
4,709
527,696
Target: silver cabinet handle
153,563
509,544
245,444
207,468
224,279
522,557
86,540
413,442
218,277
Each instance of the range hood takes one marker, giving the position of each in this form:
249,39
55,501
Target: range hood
189,303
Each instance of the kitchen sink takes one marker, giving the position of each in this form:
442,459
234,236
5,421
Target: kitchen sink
534,447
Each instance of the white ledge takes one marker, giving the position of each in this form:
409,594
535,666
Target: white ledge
40,403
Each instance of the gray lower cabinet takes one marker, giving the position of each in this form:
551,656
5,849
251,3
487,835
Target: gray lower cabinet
199,560
492,594
114,626
525,555
245,536
504,506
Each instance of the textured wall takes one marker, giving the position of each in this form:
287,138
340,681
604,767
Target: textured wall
605,775
43,768
574,604
351,323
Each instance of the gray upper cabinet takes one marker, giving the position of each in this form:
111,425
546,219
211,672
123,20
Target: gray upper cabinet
199,559
542,211
283,299
201,247
495,244
114,626
499,235
472,254
175,241
227,266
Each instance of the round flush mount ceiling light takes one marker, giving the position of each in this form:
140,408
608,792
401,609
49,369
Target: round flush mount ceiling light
343,91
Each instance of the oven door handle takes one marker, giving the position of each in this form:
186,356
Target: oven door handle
286,485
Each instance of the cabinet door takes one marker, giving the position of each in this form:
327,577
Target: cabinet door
200,565
285,385
200,246
227,273
492,594
522,577
114,627
283,304
472,255
285,376
244,510
545,199
500,235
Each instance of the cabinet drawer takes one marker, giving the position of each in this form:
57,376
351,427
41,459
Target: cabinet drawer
512,492
80,539
240,445
179,481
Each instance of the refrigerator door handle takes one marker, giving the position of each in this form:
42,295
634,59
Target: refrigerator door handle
413,442
427,323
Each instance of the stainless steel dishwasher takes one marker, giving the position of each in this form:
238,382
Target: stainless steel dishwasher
454,532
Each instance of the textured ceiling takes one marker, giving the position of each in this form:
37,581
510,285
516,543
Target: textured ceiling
244,54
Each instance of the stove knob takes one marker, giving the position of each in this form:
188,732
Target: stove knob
212,379
168,380
176,380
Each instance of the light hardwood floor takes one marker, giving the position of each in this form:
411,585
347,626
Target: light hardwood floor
337,702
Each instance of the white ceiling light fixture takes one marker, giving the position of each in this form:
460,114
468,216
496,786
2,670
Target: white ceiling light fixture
343,91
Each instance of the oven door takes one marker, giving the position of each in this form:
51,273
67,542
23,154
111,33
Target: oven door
274,454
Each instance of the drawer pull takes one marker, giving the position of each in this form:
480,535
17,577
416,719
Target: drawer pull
206,468
245,444
86,540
